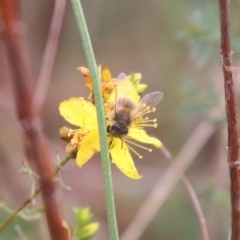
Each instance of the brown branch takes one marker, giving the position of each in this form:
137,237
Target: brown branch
36,145
49,53
232,117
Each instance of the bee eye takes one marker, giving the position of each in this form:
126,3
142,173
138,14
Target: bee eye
116,127
117,130
108,129
125,130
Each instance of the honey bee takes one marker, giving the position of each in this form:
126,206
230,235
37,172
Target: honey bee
126,112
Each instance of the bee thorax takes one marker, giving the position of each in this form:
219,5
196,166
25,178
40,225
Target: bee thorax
123,118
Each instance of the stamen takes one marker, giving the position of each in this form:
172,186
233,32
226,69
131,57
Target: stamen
78,131
145,111
138,145
145,120
134,151
145,125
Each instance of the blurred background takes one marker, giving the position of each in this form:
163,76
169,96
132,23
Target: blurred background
176,48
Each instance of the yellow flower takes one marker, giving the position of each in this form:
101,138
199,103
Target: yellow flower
82,113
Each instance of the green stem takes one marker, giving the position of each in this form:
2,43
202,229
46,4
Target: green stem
63,162
82,27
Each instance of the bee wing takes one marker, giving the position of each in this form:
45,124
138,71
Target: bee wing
122,76
152,99
125,103
124,89
123,86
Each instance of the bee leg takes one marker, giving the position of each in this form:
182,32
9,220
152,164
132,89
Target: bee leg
111,144
122,143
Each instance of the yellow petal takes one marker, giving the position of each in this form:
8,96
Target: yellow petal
125,88
88,147
106,75
79,112
121,157
141,136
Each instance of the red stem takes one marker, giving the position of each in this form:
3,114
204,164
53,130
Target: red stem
36,145
232,117
191,192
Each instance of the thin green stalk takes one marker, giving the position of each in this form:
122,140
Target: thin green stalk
33,195
82,27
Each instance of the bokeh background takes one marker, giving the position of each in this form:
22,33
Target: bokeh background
176,48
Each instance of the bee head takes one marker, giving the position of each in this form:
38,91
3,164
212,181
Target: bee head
117,130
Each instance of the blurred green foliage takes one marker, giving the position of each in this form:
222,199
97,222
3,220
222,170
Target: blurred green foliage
201,101
84,229
28,228
198,100
202,34
28,213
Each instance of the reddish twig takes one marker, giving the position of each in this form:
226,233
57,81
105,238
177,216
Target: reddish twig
232,117
36,146
168,180
49,53
20,208
191,192
36,192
